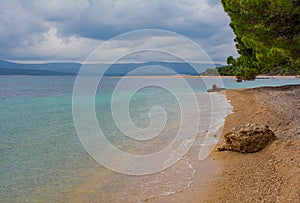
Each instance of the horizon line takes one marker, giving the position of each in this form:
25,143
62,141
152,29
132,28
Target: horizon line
97,62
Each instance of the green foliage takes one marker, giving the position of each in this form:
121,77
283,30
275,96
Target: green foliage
246,73
267,34
227,70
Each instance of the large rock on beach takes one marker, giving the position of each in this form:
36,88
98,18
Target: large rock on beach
248,139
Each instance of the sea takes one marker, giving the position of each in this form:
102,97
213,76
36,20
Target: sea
43,157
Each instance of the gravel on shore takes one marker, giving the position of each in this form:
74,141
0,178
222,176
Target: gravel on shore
273,174
270,175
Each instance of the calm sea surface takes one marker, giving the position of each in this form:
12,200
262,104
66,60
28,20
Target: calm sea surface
41,157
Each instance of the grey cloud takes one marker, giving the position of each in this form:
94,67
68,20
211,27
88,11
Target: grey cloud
105,19
24,24
17,25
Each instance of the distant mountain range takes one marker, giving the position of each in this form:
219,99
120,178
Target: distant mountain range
9,68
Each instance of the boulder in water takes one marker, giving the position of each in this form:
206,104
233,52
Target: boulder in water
215,88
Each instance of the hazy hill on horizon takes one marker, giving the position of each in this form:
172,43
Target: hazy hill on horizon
70,68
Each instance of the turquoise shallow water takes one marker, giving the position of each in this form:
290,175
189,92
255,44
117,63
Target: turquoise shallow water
41,156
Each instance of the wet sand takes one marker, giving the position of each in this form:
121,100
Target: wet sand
271,175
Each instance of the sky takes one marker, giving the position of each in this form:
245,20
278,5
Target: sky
71,30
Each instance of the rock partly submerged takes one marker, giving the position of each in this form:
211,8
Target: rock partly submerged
248,139
215,88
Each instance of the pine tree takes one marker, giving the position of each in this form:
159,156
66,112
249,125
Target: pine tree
267,35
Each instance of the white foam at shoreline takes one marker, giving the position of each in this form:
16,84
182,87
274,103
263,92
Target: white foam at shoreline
179,176
169,175
206,139
221,109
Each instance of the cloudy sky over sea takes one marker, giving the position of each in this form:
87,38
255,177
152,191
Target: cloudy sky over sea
70,30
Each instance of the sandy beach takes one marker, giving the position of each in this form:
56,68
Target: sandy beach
150,101
271,175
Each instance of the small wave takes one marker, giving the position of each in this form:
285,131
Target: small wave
220,109
176,179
